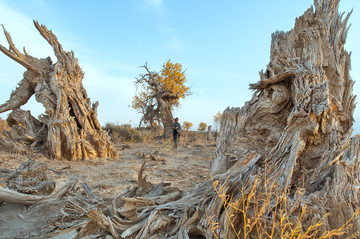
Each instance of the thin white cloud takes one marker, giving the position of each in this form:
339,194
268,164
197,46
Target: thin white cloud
154,3
101,83
174,42
168,29
23,33
113,91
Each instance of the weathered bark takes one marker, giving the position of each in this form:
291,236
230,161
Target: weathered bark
299,121
291,144
69,128
209,133
11,196
46,215
167,117
31,178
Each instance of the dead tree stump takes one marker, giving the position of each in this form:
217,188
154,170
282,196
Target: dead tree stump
69,129
31,178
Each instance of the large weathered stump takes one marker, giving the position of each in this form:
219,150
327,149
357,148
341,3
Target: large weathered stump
69,128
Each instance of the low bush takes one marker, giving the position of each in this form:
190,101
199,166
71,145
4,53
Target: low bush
123,133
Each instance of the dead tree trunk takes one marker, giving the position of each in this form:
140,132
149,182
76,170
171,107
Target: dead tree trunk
158,107
289,148
167,117
209,133
299,121
69,128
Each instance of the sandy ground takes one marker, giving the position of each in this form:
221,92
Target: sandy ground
185,167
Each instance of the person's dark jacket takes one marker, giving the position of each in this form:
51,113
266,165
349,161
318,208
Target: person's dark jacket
176,131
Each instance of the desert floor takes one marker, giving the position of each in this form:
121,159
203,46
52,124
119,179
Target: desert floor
184,167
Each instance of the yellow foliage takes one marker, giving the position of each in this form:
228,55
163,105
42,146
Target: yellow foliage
140,100
217,118
171,80
187,125
202,127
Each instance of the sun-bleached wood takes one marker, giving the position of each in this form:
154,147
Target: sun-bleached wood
11,196
69,129
294,134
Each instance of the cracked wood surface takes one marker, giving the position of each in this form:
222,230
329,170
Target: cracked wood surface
69,129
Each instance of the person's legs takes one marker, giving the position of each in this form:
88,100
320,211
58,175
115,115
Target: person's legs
175,135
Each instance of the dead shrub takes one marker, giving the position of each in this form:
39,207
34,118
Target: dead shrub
262,210
123,133
193,138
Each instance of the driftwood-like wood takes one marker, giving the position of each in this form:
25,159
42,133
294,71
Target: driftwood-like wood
46,216
31,178
11,196
69,129
293,136
299,121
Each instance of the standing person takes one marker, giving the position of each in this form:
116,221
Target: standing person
176,127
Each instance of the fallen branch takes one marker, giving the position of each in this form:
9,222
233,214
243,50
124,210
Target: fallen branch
11,196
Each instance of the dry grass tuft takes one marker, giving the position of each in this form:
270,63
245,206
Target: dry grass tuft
3,125
154,135
123,133
264,211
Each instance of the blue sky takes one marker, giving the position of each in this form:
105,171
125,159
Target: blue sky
221,44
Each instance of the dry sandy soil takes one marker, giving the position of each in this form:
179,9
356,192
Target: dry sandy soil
185,167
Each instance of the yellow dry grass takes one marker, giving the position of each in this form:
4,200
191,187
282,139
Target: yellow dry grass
263,211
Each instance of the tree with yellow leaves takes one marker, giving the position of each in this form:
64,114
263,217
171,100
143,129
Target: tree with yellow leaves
187,125
202,127
158,93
